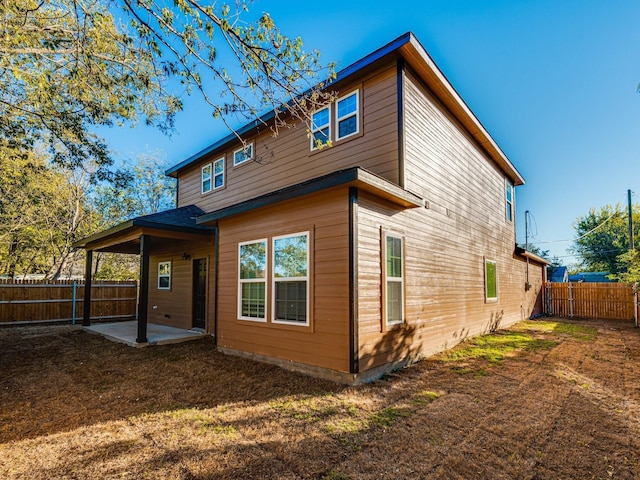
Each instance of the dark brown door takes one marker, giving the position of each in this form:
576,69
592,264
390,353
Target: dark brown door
199,292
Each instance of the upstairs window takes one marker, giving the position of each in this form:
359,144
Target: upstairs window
243,154
291,279
508,195
164,275
206,179
345,112
394,279
347,115
320,128
252,287
218,173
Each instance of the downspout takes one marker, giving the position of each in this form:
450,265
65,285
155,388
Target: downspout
216,249
354,354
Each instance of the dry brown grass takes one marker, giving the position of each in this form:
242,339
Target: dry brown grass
544,400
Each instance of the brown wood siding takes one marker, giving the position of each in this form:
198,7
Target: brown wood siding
445,246
326,342
287,159
444,285
174,307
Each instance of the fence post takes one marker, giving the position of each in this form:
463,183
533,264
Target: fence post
636,304
73,303
570,300
547,299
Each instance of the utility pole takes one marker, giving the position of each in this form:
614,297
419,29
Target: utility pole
527,285
631,242
526,230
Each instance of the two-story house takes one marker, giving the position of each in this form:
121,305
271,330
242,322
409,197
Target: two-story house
394,241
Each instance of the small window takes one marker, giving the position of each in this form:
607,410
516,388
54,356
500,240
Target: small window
394,279
243,154
291,279
164,276
490,280
252,285
347,115
218,173
206,178
509,200
320,128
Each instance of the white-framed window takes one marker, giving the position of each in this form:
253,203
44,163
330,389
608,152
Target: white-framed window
490,280
321,128
205,179
252,280
347,121
218,173
508,196
393,274
164,276
291,279
243,154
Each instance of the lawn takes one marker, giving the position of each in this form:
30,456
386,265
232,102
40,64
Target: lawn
546,399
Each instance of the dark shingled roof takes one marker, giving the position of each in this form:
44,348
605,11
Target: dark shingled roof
176,217
181,219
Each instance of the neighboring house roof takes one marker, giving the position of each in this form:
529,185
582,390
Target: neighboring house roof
411,50
590,277
559,274
182,220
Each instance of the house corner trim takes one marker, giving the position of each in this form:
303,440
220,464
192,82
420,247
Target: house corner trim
401,136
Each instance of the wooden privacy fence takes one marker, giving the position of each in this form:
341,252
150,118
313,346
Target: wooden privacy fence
63,301
615,301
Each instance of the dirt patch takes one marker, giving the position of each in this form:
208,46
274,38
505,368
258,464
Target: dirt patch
546,399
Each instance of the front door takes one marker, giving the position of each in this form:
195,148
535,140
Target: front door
199,292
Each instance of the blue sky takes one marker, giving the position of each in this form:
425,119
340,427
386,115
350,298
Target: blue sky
554,83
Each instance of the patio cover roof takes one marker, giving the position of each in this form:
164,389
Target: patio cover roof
175,224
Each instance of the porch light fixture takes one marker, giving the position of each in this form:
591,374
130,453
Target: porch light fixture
186,256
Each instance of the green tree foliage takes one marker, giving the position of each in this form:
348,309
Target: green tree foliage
262,69
69,65
146,190
66,66
603,237
42,212
628,268
45,208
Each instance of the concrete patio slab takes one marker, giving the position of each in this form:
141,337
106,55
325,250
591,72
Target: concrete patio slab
127,332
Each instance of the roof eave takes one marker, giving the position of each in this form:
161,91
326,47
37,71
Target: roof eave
142,224
417,56
121,227
412,50
343,74
532,256
354,176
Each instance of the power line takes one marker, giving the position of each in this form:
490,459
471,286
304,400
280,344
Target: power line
581,236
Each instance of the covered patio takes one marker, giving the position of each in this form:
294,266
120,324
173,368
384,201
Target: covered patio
127,332
158,232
